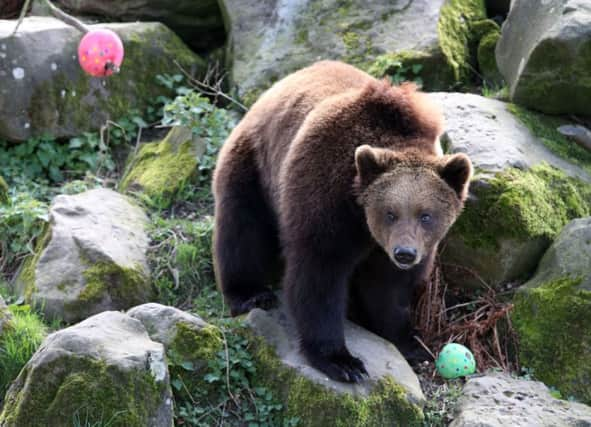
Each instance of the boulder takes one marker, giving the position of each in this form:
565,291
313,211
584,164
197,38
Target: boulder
44,90
91,259
498,400
103,370
159,169
552,314
391,396
529,182
198,23
185,336
269,39
544,54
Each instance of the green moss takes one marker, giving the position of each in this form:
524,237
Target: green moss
351,40
552,322
523,205
3,191
194,344
160,169
20,339
68,386
432,68
316,405
487,61
125,287
455,33
544,127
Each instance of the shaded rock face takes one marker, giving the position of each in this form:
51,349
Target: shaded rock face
380,357
498,400
105,368
269,39
44,90
198,23
521,191
93,257
544,54
552,314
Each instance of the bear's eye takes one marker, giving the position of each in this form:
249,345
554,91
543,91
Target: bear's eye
426,218
391,217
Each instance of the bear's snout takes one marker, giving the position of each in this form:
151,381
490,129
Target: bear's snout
404,255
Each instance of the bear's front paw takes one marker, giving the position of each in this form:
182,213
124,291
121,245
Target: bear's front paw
339,366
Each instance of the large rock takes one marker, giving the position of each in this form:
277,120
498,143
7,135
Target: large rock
269,39
524,190
105,369
43,90
91,259
198,23
498,400
185,336
391,396
552,314
544,54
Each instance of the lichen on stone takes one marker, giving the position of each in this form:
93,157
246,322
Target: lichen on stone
124,286
552,321
522,205
317,405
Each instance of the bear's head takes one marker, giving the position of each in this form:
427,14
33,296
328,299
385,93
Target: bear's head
410,199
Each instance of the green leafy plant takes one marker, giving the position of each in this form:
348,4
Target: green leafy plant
225,391
210,123
22,220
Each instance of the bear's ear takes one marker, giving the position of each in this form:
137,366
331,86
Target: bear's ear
456,171
372,162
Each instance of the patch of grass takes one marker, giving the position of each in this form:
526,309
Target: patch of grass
441,403
17,345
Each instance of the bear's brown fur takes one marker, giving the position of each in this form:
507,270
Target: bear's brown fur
340,176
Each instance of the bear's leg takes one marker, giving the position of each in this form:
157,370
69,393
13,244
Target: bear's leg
246,244
380,300
316,290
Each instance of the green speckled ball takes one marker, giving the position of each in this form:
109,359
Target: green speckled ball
455,361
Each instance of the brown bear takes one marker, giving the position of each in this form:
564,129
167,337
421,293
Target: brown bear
339,178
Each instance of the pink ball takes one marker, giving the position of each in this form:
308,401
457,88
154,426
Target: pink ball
100,52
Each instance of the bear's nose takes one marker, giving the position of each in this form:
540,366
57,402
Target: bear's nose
405,255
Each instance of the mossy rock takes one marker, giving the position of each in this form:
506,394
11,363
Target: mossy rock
544,54
391,395
103,370
552,314
529,182
50,94
3,191
160,169
485,53
91,258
